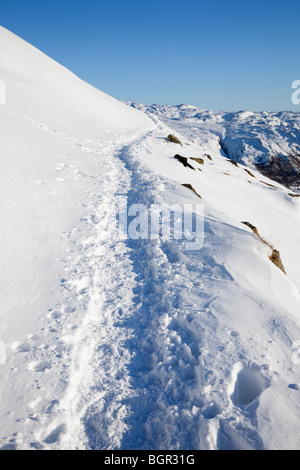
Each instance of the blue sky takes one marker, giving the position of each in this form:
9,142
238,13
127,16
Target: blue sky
215,54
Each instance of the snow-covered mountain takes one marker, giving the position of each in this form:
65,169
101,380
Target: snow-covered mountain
117,343
267,141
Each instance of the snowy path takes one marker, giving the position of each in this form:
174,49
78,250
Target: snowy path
125,356
154,362
136,344
92,412
151,348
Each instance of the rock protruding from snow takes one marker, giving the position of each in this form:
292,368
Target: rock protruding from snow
267,141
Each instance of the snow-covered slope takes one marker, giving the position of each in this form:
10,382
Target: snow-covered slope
267,141
57,135
54,133
116,343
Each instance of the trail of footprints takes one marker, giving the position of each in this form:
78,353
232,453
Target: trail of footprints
246,384
40,354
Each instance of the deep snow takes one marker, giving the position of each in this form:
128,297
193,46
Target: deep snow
114,343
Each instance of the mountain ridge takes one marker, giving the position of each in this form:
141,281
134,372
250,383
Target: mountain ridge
267,141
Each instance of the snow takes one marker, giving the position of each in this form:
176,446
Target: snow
254,139
116,343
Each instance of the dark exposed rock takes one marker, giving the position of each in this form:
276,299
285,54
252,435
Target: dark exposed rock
249,173
172,138
283,169
184,161
189,186
275,256
269,184
252,227
198,160
233,162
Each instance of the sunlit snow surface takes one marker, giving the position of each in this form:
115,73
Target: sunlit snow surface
114,343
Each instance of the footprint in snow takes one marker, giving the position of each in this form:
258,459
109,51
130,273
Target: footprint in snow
234,334
39,366
36,445
55,315
172,252
54,436
9,447
69,309
23,348
212,411
43,406
294,387
26,346
248,384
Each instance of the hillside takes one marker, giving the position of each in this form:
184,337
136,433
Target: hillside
266,141
114,342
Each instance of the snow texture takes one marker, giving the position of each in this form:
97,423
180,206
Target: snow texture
115,343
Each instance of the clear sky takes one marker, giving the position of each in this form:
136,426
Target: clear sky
215,54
